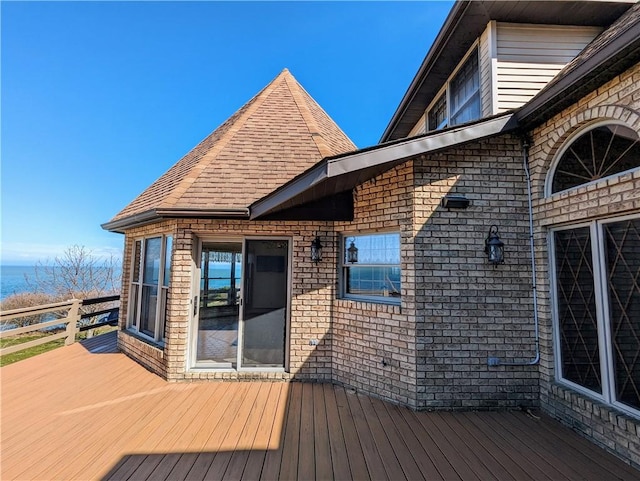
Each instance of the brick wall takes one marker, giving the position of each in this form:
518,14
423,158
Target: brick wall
617,100
466,309
374,343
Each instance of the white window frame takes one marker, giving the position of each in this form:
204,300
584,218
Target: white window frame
442,95
476,52
446,90
344,266
605,342
136,288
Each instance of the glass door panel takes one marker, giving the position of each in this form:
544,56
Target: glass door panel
220,281
265,303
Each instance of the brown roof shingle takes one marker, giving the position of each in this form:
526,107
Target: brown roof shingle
275,136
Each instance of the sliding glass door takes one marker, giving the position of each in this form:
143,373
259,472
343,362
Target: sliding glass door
242,305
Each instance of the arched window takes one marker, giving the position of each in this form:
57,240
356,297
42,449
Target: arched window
599,152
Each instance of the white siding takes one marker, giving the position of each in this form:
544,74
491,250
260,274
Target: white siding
419,128
529,56
488,68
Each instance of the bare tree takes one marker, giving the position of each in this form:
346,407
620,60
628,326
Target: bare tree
24,299
77,273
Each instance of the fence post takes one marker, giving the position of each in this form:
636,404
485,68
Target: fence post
74,318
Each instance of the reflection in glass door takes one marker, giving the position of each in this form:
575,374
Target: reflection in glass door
265,301
219,310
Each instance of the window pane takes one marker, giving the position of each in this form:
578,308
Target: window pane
465,92
375,267
598,153
580,356
152,260
622,250
148,310
373,281
137,252
167,262
165,312
437,117
133,309
375,249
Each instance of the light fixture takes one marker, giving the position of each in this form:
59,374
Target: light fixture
352,253
316,250
494,247
455,202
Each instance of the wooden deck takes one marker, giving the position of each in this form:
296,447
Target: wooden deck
88,412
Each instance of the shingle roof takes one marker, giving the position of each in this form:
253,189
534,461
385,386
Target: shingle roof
275,136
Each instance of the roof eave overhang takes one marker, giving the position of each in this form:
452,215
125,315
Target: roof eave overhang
607,63
375,159
462,27
440,41
155,215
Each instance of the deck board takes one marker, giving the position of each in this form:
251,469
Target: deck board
306,457
273,457
338,450
355,454
514,463
291,443
88,412
453,452
426,444
375,466
409,460
492,459
322,453
246,440
383,445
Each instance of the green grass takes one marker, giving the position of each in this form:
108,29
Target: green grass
33,351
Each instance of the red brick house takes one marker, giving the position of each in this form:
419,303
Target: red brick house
483,255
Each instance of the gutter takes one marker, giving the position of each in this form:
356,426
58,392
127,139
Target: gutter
154,215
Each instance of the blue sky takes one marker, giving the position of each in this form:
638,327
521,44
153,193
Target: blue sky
100,98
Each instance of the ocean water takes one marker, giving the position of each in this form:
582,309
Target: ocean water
16,279
13,279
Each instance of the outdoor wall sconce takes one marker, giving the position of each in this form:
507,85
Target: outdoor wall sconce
494,247
316,250
455,202
352,253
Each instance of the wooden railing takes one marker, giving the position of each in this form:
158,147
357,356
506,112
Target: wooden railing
70,320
